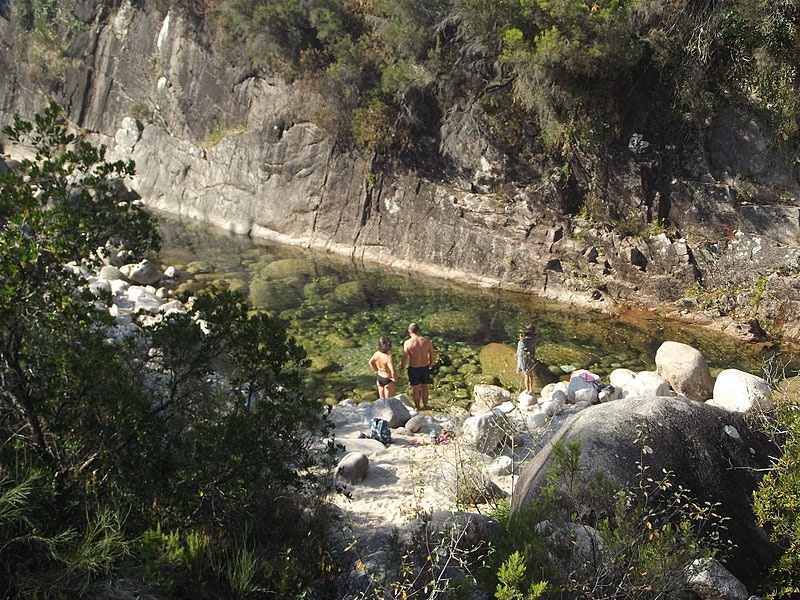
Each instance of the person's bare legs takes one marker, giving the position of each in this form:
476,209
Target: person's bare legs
529,382
391,390
424,395
417,393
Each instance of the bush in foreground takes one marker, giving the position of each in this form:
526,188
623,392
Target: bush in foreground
182,459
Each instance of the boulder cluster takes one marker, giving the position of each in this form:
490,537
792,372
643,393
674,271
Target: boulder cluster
697,429
135,288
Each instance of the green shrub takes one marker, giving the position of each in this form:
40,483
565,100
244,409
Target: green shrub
372,126
52,21
647,535
776,502
45,555
512,580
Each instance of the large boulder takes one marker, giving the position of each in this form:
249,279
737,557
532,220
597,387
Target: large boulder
143,299
582,387
143,273
582,544
554,397
353,467
393,410
536,419
686,370
554,403
485,431
110,272
621,377
487,397
526,401
711,581
646,383
551,389
741,391
711,452
422,423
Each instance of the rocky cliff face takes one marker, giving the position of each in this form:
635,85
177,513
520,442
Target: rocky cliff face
242,151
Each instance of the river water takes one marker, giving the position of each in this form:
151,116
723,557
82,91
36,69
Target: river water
337,311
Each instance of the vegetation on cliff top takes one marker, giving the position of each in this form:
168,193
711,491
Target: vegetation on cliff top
555,77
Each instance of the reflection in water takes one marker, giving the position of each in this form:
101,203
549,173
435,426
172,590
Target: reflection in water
338,311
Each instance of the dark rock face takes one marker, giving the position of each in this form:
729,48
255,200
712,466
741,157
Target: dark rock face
760,155
242,151
711,452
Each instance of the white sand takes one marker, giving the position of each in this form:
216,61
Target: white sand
410,476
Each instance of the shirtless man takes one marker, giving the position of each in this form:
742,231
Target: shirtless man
418,355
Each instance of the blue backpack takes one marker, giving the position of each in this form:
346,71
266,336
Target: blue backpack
379,430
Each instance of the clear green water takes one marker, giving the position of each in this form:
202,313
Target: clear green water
338,310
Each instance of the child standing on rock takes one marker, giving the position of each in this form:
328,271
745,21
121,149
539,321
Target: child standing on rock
526,354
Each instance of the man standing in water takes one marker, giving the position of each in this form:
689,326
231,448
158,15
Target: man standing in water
418,354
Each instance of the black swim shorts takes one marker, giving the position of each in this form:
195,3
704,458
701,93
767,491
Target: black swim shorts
418,375
384,381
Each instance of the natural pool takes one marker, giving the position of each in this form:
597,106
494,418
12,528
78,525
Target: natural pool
338,310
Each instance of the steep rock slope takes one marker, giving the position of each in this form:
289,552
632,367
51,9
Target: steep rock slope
242,150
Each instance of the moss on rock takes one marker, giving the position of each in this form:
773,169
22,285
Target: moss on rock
554,353
273,295
287,268
322,364
499,361
319,287
349,294
337,340
365,395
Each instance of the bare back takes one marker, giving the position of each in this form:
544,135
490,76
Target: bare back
382,364
418,352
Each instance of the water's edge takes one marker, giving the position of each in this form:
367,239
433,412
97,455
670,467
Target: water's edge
337,308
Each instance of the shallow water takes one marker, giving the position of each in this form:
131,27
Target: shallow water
338,310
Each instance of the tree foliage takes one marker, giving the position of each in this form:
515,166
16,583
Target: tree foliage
559,78
57,208
50,20
192,425
584,72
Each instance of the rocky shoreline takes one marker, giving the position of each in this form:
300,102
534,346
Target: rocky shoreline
460,466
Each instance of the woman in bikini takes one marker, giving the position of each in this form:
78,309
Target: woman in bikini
383,364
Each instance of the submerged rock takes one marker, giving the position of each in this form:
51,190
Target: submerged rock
462,324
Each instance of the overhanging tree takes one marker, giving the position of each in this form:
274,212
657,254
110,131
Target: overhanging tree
195,423
56,209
